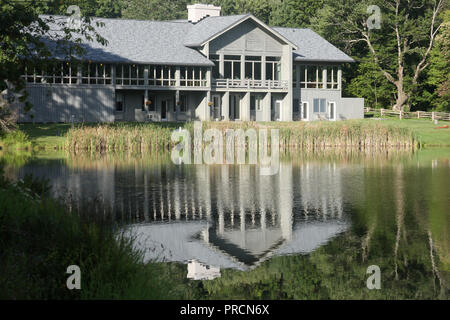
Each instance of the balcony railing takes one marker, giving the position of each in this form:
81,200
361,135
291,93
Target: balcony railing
250,83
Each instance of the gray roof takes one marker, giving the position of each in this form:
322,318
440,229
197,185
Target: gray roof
175,42
312,47
144,41
209,27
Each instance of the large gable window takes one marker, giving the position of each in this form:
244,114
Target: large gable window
232,67
253,67
273,68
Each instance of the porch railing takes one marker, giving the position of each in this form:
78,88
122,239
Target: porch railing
250,83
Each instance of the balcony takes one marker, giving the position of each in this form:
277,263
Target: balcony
250,84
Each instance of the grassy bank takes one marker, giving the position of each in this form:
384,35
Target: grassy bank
39,239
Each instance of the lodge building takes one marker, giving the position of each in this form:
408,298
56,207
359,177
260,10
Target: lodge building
209,67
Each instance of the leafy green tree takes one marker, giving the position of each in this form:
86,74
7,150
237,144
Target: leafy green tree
25,38
370,84
400,48
438,75
295,13
154,9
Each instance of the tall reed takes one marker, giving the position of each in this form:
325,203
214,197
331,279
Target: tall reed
293,135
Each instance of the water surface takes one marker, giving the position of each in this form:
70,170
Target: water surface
337,212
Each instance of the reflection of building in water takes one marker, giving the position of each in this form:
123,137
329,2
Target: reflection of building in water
200,271
249,217
225,215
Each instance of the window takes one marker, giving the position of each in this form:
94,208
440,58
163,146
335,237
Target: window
119,101
232,67
161,76
311,77
273,68
60,72
320,77
193,76
130,74
320,105
253,67
332,77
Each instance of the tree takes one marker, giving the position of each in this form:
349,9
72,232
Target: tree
154,9
438,75
295,13
26,38
400,48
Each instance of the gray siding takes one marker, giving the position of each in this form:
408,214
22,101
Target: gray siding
246,37
64,103
346,108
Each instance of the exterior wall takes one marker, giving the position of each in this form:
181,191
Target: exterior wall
59,103
346,108
352,108
246,38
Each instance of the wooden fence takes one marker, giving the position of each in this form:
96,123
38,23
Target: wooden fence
410,115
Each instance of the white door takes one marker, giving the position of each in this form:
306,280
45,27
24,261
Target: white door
332,111
278,110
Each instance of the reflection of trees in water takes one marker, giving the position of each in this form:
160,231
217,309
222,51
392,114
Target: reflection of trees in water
398,211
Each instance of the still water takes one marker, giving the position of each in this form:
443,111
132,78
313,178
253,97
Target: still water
342,212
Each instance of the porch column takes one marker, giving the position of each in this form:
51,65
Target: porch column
226,106
207,112
340,78
221,64
177,104
324,77
245,107
263,69
177,76
242,67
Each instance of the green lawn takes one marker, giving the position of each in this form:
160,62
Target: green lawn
51,136
424,129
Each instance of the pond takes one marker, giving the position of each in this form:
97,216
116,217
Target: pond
321,221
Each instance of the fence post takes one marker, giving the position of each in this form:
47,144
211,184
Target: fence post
418,114
381,112
432,116
401,114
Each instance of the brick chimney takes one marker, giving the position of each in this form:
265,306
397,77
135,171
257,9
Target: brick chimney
198,11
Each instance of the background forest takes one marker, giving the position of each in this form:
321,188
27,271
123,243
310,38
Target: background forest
404,64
